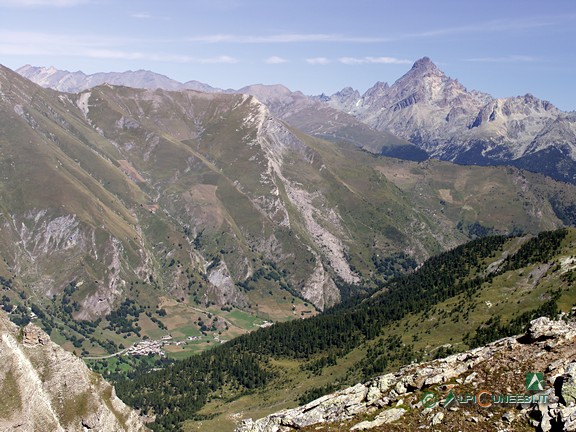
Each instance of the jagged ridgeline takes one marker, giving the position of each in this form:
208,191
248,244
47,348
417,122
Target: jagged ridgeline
127,213
406,319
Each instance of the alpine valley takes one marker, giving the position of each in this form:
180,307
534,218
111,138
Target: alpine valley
151,216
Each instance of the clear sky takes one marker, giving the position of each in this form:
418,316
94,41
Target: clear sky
502,47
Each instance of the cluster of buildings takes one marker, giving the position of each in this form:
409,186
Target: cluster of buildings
146,347
154,347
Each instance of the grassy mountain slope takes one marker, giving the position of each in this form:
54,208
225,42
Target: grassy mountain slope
128,213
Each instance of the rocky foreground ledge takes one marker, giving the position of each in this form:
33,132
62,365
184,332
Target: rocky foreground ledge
523,383
45,388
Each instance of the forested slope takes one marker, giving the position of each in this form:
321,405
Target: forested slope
250,363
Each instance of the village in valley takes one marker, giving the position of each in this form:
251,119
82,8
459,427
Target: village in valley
155,347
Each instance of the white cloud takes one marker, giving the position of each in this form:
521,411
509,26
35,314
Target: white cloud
42,3
373,60
281,38
56,44
220,59
501,25
276,60
506,59
112,54
318,60
100,47
148,16
128,55
141,15
493,26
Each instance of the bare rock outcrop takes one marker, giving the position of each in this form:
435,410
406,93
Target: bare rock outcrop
44,388
544,328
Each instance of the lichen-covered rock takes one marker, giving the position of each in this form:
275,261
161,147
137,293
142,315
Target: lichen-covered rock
437,418
567,417
568,390
387,416
44,388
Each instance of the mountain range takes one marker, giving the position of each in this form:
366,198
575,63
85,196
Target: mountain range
442,117
120,181
191,217
74,82
423,114
189,202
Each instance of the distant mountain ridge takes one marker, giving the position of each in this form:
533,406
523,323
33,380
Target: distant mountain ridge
321,120
75,82
307,114
424,113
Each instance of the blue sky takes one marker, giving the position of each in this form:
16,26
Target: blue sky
502,47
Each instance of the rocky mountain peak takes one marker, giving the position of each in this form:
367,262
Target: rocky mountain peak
420,104
380,86
521,118
347,91
426,76
347,97
273,89
530,99
436,112
424,64
420,74
376,94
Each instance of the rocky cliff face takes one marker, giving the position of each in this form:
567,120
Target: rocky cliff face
418,396
43,387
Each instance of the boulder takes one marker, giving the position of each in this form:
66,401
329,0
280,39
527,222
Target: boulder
567,417
568,389
34,335
437,418
387,416
544,328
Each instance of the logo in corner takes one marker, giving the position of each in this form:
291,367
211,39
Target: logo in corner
535,381
450,399
429,399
